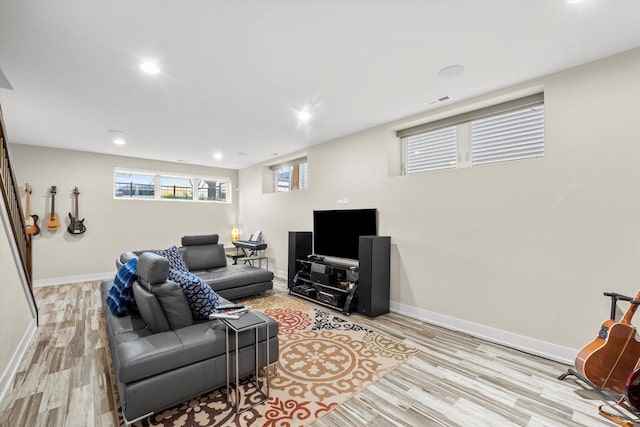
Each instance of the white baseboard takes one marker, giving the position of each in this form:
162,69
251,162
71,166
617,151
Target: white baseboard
281,274
65,280
10,372
520,342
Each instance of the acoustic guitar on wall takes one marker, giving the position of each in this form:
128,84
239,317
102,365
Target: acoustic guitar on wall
31,221
76,226
52,219
609,359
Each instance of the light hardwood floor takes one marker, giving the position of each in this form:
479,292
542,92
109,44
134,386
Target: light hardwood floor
455,380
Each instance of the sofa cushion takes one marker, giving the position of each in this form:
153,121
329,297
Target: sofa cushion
233,276
150,309
174,304
157,353
120,298
175,258
208,239
204,257
202,299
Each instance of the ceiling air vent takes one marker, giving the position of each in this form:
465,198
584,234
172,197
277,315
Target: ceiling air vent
438,100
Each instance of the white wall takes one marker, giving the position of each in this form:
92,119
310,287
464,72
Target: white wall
16,319
519,252
113,226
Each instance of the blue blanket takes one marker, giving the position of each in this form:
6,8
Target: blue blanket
120,298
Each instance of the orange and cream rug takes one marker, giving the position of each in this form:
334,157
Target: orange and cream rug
325,359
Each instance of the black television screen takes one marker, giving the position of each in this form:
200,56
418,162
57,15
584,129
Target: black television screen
336,232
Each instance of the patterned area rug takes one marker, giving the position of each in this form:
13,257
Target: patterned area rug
325,359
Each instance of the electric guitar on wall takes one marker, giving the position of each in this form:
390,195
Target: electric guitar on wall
52,219
76,226
609,359
30,220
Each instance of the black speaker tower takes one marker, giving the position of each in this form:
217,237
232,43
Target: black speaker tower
374,275
299,248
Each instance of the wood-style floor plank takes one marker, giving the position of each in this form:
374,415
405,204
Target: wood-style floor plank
454,380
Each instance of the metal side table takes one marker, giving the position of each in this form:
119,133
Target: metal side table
246,322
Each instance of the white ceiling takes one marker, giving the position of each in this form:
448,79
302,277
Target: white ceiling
234,72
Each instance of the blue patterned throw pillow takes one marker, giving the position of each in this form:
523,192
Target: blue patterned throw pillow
120,297
202,299
175,258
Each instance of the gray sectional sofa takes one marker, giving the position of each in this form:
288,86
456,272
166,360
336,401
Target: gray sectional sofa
161,356
206,258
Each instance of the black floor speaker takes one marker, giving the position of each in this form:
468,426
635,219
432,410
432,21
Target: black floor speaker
299,248
374,275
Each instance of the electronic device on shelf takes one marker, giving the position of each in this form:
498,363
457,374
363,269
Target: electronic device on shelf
305,290
335,299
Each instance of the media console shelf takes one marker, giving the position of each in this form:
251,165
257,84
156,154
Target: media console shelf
363,288
329,284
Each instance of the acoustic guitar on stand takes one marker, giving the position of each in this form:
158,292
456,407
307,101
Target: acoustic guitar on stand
31,221
52,219
611,357
76,225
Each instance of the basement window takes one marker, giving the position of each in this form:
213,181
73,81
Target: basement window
134,185
291,175
510,131
176,188
160,186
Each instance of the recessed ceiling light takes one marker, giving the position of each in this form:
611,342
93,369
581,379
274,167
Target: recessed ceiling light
217,156
242,153
150,67
451,71
304,116
117,136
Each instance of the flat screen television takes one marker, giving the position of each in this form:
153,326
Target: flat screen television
336,232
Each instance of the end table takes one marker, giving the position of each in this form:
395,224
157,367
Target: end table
246,322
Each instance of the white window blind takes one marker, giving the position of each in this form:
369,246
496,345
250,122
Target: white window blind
511,130
304,176
510,136
431,150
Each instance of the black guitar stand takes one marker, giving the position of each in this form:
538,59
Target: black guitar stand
615,297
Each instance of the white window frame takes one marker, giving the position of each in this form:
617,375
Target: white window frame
524,118
196,180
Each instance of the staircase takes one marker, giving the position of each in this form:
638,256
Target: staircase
15,214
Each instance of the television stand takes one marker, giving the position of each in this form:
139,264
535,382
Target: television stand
363,288
330,284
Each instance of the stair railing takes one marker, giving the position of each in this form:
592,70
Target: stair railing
12,201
